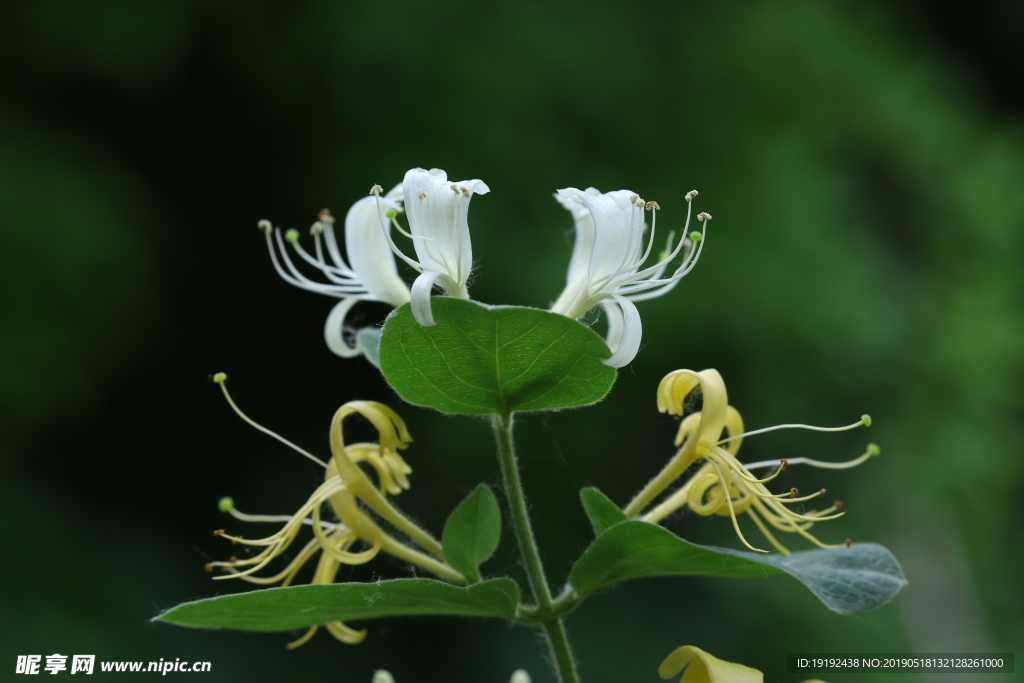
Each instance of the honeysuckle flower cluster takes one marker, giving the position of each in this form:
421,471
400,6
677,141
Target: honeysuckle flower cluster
720,484
608,267
607,263
352,496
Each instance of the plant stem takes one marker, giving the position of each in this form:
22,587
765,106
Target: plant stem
553,627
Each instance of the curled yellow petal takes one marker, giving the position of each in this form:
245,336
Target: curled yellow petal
698,666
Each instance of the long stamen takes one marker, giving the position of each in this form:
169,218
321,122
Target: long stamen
221,378
332,273
375,191
872,451
228,505
732,511
865,421
767,534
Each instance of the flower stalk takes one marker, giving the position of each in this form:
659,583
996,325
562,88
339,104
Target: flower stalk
550,619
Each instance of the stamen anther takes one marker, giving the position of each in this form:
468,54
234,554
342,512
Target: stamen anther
652,206
848,543
690,195
265,226
703,217
316,229
377,190
218,532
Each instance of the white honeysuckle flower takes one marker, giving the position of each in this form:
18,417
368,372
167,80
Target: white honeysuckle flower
439,230
370,273
607,262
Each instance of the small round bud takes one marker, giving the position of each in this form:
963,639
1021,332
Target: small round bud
292,235
225,504
390,213
690,195
866,419
696,236
265,227
873,449
220,377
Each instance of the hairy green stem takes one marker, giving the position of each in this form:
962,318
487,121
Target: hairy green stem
551,621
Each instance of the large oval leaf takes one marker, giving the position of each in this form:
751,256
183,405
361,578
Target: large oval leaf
847,580
284,609
484,360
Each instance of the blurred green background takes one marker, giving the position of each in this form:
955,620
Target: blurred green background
863,163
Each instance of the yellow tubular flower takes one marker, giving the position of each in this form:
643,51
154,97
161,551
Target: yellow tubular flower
698,666
345,485
721,484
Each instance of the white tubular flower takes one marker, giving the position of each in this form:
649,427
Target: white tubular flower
372,275
437,212
607,263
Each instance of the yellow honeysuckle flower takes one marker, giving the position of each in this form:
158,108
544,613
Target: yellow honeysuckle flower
345,486
722,485
697,666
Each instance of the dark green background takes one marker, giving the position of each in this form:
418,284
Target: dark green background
864,167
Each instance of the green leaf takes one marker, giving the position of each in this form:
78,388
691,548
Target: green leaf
472,532
847,580
484,360
603,513
283,609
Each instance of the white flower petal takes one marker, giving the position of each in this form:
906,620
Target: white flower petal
629,341
613,314
582,248
369,252
437,211
334,329
421,290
